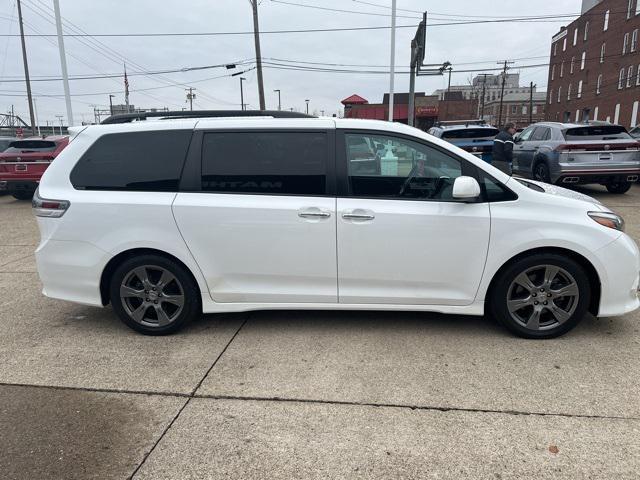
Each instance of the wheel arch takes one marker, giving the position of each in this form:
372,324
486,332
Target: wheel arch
592,273
112,264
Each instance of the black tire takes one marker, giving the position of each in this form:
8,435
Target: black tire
618,187
570,308
541,172
23,195
153,295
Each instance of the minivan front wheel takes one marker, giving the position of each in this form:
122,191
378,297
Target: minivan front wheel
541,296
154,295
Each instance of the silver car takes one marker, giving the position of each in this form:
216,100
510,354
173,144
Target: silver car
569,153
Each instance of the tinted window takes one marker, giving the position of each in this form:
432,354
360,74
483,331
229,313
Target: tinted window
25,146
4,144
284,163
470,133
540,134
139,161
399,168
526,134
494,191
600,132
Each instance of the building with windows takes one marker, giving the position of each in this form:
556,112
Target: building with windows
519,108
594,67
491,84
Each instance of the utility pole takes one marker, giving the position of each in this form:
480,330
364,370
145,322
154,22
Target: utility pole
256,36
393,58
35,111
190,97
531,87
279,102
63,61
482,99
446,95
504,79
26,71
242,79
307,100
111,104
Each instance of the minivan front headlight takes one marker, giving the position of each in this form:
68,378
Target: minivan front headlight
608,219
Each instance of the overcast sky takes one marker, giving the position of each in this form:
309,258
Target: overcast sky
463,45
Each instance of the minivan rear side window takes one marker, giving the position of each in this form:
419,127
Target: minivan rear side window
276,163
136,161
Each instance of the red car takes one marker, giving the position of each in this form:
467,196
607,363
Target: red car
24,161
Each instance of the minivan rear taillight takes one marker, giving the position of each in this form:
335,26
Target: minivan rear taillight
44,207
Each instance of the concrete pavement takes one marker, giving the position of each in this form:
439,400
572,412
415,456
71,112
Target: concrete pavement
307,394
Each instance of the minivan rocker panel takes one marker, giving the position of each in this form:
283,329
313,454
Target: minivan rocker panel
318,227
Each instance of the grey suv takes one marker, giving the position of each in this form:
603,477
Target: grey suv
567,153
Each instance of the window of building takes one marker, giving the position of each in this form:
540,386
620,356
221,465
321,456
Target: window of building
586,31
564,44
573,61
569,92
583,61
514,109
524,109
553,72
638,76
625,43
602,52
534,110
410,170
621,79
629,9
579,94
562,69
282,163
637,8
555,49
634,40
595,113
606,21
575,37
598,84
136,161
559,94
629,76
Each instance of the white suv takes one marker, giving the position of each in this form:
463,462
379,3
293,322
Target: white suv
169,218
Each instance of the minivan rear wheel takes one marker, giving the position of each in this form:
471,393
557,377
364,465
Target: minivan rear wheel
154,295
541,296
618,187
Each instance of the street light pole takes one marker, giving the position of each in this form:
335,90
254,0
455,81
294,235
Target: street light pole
111,104
63,61
242,79
26,71
307,100
393,58
279,102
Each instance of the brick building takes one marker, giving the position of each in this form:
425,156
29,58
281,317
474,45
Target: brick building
515,108
594,68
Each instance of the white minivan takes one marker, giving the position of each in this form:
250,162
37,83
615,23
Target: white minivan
167,218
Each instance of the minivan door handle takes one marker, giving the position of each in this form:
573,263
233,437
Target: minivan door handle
358,216
313,213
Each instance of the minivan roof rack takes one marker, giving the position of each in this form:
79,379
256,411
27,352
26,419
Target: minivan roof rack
137,116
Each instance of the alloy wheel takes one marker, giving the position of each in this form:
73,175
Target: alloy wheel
152,296
542,297
541,173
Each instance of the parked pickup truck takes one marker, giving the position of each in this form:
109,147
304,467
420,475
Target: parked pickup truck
24,161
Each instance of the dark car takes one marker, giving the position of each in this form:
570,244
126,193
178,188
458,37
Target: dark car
474,136
24,161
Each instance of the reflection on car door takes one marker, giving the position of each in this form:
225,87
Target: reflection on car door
262,226
402,238
522,152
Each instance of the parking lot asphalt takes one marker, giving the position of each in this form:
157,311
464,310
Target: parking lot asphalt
307,394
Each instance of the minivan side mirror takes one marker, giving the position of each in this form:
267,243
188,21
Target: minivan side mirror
466,188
